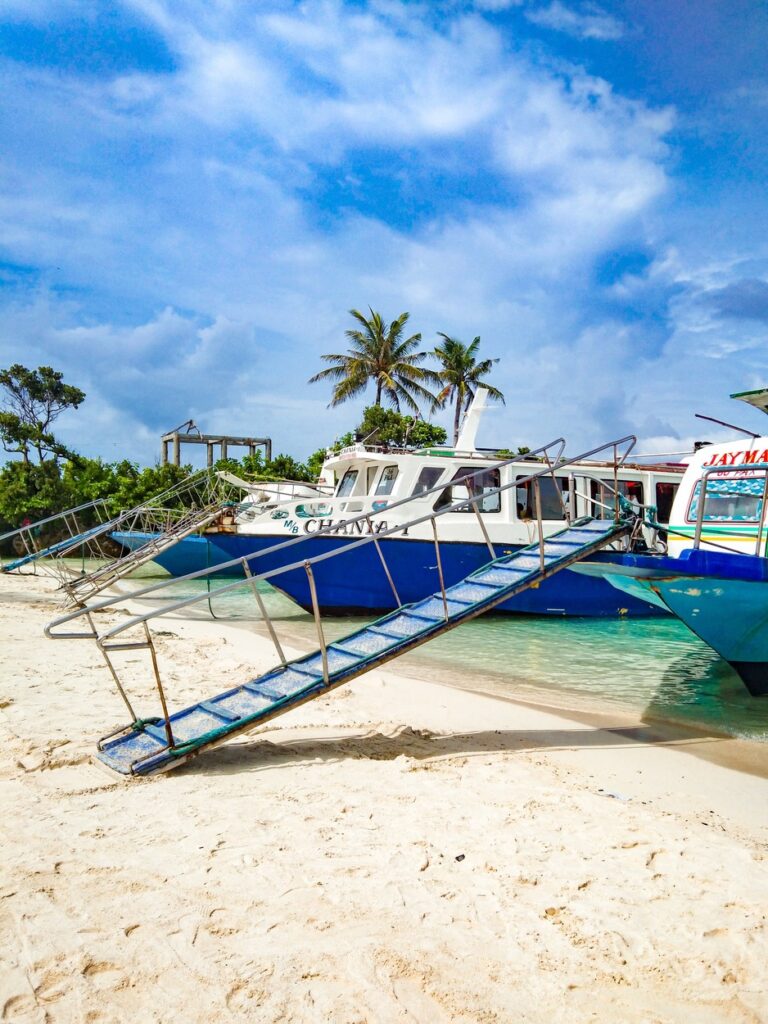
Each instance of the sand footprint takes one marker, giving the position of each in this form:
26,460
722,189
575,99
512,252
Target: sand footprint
21,1008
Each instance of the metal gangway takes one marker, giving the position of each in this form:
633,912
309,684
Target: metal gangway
150,745
76,535
187,508
165,519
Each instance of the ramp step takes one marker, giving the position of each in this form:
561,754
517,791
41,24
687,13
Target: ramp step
435,609
530,561
337,660
243,702
500,575
405,624
368,642
560,544
279,684
120,753
215,709
472,592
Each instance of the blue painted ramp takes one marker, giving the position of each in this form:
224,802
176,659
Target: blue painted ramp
55,549
143,749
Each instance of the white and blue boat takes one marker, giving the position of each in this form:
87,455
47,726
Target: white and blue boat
715,575
370,479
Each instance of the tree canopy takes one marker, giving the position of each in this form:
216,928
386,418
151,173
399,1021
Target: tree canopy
460,373
33,399
378,352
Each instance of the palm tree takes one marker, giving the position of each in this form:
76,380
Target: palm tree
378,352
460,375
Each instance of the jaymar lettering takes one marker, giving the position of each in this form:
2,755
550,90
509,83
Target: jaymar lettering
750,458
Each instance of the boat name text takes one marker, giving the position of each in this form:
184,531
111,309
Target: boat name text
729,458
359,529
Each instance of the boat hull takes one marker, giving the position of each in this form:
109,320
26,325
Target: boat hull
721,598
357,583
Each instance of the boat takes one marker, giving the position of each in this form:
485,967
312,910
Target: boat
714,577
371,479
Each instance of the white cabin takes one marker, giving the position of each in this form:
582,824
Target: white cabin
370,478
734,514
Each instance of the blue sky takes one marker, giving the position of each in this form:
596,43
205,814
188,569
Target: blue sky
194,193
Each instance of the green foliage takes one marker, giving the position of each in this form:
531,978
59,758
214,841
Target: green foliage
255,467
507,453
315,462
391,427
34,399
460,373
29,491
134,486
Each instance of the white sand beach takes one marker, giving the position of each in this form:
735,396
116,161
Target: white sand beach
399,851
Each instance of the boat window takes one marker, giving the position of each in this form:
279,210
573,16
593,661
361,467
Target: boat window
370,476
347,483
735,500
551,501
387,480
632,490
428,478
665,498
486,481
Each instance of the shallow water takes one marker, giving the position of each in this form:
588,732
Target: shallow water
652,667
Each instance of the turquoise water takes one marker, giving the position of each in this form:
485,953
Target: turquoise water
653,667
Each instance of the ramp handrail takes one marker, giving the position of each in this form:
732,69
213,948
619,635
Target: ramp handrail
252,579
29,527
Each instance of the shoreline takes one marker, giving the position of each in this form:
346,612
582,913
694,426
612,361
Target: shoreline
397,851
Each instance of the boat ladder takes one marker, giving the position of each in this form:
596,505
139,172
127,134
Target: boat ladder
67,521
81,588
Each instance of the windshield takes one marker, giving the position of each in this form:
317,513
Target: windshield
347,483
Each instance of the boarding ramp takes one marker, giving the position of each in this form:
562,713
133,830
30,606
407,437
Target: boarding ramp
186,508
71,522
150,745
165,519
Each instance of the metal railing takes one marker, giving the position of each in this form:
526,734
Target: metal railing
29,532
165,518
108,642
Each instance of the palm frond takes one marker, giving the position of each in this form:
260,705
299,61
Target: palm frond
330,373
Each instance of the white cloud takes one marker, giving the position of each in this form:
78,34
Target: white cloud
193,269
589,23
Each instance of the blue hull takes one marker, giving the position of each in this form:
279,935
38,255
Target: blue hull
721,598
356,583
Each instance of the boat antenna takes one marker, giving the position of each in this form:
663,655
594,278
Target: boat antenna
722,423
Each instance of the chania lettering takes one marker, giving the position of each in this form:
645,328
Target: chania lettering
361,528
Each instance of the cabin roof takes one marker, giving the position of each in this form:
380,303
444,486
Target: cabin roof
757,398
